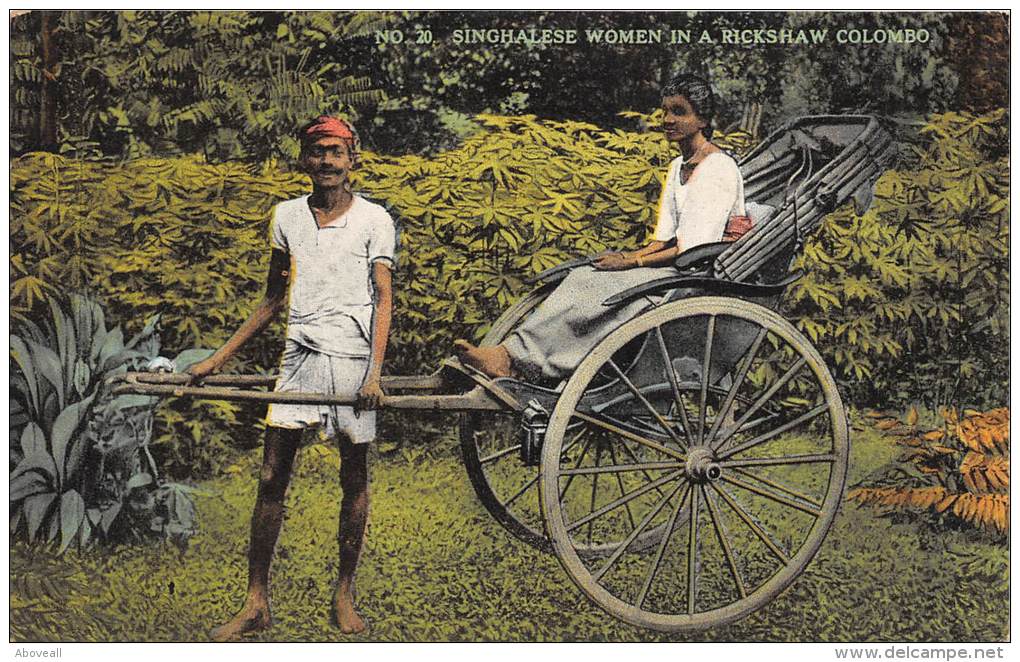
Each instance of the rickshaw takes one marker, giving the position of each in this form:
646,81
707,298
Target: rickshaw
690,467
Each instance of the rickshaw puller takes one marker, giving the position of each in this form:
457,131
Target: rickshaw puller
334,250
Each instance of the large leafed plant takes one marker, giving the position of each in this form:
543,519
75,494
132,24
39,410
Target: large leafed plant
80,461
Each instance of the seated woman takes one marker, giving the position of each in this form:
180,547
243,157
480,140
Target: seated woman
702,202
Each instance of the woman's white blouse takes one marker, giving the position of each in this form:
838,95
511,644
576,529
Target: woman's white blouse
696,213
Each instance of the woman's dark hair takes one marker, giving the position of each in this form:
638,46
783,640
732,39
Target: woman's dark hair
698,92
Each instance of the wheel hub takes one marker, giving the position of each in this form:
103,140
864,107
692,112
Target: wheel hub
702,465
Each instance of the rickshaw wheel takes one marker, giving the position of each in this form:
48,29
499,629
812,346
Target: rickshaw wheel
745,487
490,449
506,487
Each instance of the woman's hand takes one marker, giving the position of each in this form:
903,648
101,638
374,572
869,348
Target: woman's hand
613,262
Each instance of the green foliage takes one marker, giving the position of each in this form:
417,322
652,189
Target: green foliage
41,589
229,84
436,567
234,83
80,464
912,299
180,238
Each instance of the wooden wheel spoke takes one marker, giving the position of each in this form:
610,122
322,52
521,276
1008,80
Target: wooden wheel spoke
521,491
724,541
692,552
605,374
628,451
647,423
762,438
566,448
706,368
594,490
619,483
580,458
754,423
636,531
670,527
620,468
674,385
647,420
498,454
633,425
517,447
615,429
778,498
779,486
738,381
626,498
751,524
648,405
773,461
779,383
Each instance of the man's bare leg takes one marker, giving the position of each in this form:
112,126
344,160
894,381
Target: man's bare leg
353,519
277,463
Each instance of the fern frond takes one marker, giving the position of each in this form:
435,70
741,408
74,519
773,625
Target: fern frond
354,84
985,473
983,470
986,432
24,71
365,23
990,511
358,99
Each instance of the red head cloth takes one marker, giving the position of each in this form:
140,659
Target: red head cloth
326,126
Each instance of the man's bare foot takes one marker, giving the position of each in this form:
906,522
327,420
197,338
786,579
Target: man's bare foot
251,619
493,361
345,616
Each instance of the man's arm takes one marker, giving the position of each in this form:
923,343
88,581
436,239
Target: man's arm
370,394
271,303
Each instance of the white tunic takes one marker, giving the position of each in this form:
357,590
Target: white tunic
696,213
331,275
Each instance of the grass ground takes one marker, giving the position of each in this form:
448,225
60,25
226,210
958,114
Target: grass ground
438,568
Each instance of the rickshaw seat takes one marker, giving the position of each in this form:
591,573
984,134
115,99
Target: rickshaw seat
707,285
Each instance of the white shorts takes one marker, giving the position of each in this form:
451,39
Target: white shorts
307,371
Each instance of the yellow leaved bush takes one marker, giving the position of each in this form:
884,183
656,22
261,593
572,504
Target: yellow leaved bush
960,470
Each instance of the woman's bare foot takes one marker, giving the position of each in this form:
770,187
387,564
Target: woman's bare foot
345,616
253,617
493,361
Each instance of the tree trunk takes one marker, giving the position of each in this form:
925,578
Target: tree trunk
978,49
48,58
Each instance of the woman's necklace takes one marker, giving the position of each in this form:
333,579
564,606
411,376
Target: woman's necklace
689,164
